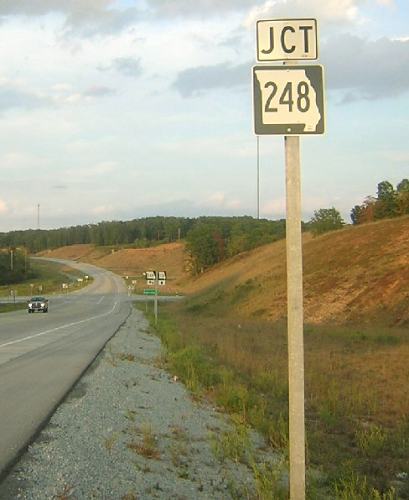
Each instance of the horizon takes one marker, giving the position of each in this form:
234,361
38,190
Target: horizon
117,110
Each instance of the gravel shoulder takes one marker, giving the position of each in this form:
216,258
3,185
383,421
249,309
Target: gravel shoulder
128,430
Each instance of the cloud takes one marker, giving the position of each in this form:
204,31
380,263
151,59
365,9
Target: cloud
366,69
103,210
220,200
13,97
194,81
98,91
84,17
198,8
329,10
65,94
3,207
326,10
128,66
363,69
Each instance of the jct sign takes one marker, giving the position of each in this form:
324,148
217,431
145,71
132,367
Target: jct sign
286,39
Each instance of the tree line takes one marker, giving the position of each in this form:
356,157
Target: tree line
388,203
209,239
137,232
213,240
14,266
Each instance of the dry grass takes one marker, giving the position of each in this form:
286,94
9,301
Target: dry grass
148,447
357,396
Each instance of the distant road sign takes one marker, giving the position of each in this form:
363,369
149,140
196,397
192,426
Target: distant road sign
161,282
286,39
288,100
150,275
162,275
150,282
150,291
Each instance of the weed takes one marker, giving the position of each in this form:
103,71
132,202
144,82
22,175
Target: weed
123,356
241,291
355,487
270,479
110,441
130,415
234,397
177,451
129,496
348,373
386,340
110,357
233,444
278,433
148,448
65,494
371,440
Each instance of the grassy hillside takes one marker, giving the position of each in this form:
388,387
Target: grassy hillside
360,273
229,341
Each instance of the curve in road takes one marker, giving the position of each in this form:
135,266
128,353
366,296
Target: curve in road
43,355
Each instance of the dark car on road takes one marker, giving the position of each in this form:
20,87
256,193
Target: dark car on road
37,304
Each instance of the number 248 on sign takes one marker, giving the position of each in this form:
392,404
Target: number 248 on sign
288,100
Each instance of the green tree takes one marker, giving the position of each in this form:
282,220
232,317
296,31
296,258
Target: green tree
386,205
204,246
403,186
324,220
402,190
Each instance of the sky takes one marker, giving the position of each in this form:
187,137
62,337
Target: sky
120,109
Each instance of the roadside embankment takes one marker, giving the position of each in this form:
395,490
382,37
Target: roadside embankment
130,430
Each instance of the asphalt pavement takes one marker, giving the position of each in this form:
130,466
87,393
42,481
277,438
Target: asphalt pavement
43,355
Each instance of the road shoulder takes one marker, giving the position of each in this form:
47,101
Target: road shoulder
129,430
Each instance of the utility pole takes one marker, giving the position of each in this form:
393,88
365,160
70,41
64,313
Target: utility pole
38,216
11,259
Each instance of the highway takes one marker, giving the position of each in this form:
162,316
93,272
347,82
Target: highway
43,355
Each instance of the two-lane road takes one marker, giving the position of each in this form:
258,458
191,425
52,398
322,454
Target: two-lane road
42,355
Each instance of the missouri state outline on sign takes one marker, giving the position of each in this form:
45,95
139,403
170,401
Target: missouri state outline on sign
288,100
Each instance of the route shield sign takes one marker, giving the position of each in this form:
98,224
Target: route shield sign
150,275
288,100
286,39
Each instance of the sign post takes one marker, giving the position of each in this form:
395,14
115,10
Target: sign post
295,319
289,101
154,278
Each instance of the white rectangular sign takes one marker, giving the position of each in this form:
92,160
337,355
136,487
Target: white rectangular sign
150,275
286,39
288,100
162,275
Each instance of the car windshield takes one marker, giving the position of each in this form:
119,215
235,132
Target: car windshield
38,299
